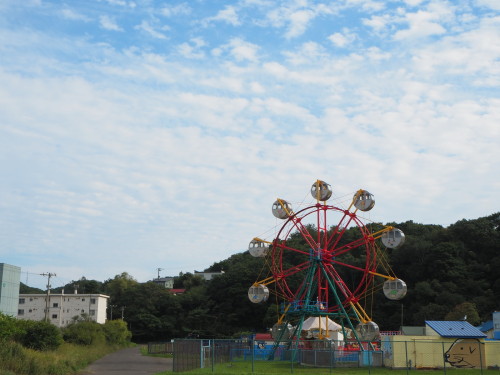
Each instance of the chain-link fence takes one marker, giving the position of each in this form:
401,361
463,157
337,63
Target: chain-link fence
166,347
416,354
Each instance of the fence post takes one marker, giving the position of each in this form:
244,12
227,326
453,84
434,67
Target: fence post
444,358
212,348
332,344
406,354
480,357
370,354
253,354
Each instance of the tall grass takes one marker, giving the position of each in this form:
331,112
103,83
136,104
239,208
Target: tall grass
67,359
282,368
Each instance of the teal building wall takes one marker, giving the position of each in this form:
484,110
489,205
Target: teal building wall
10,278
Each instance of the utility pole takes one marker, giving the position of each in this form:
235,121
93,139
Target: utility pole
159,269
47,298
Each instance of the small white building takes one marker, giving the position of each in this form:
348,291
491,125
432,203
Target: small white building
61,309
166,282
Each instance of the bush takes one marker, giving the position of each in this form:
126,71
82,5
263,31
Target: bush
84,333
116,332
39,335
9,327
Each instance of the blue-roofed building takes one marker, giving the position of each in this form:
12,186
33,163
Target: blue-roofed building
487,328
460,344
453,329
496,325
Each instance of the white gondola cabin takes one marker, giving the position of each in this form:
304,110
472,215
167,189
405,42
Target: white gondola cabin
393,238
368,331
282,209
321,191
258,293
395,289
258,249
364,201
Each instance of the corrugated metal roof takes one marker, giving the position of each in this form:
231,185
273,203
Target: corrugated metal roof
486,326
458,329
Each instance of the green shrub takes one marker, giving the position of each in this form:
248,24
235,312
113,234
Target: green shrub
116,332
84,333
39,335
10,327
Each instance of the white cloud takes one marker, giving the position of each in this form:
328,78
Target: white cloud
108,23
297,16
151,30
428,22
493,4
342,39
175,10
307,53
193,50
378,23
228,15
420,24
239,49
114,149
299,20
72,15
473,52
413,3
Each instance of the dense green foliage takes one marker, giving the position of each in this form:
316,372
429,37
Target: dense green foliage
40,335
32,347
30,334
67,359
451,272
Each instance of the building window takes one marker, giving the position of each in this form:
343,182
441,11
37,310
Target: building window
92,312
21,301
92,301
30,310
31,299
20,312
83,299
83,311
54,316
55,304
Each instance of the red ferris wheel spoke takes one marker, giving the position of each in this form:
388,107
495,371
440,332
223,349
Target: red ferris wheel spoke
297,222
350,246
337,235
291,271
284,247
352,266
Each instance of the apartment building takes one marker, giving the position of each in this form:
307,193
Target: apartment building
9,288
61,309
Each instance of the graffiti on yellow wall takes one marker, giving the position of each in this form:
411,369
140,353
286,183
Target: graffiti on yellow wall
465,353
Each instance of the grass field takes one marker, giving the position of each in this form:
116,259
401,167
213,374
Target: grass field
67,359
274,368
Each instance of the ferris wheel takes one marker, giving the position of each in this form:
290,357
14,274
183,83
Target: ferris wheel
323,262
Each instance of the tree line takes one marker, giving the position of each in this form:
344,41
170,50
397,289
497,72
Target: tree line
451,273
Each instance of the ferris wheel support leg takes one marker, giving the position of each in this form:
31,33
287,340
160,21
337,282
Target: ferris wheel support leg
344,313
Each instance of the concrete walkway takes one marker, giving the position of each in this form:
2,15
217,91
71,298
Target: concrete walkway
128,362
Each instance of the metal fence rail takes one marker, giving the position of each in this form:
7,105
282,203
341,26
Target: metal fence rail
416,354
160,347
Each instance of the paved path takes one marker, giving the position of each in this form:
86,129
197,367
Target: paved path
128,362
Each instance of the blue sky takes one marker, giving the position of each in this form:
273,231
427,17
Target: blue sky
138,135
